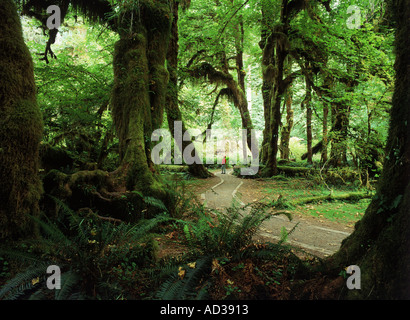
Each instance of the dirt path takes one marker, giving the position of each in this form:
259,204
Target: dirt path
310,235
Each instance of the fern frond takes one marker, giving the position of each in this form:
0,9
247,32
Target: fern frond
53,232
284,234
69,280
22,282
21,256
176,288
156,203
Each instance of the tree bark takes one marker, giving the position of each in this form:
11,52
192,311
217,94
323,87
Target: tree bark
267,46
380,244
277,89
197,169
286,130
338,134
323,158
20,129
306,103
277,43
140,87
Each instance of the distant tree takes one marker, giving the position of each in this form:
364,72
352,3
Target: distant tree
172,104
217,57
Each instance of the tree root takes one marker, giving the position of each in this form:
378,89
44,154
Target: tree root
97,191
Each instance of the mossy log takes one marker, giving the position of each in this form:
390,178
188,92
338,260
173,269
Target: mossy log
173,168
351,196
294,171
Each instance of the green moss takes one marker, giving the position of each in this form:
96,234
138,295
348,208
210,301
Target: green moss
139,94
20,129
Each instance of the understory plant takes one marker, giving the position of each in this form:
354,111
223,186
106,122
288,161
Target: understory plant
93,254
215,239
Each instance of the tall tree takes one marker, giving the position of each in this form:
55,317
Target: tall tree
20,129
140,79
307,104
140,87
286,129
219,60
267,64
380,244
172,108
278,44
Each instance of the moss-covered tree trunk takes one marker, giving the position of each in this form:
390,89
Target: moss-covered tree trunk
380,244
278,45
338,134
287,129
172,109
140,87
20,129
323,157
267,45
306,103
272,134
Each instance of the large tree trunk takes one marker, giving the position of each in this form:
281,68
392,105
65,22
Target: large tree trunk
140,87
268,47
323,158
278,44
197,169
380,244
272,133
20,129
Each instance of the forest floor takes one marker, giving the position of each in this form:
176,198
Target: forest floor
317,229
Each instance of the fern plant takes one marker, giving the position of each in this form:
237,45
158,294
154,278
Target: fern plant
211,238
180,200
226,233
191,282
87,253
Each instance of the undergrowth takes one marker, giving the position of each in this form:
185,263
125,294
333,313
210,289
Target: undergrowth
90,253
109,259
215,241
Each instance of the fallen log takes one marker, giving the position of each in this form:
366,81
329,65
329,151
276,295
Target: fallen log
352,196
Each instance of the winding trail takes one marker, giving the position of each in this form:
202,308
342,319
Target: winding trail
314,238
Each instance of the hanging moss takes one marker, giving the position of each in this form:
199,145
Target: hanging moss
139,93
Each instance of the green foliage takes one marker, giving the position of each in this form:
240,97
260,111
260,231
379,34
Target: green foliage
182,286
224,234
215,238
88,251
74,91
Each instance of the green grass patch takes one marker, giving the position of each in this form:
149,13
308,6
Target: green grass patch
337,211
295,191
